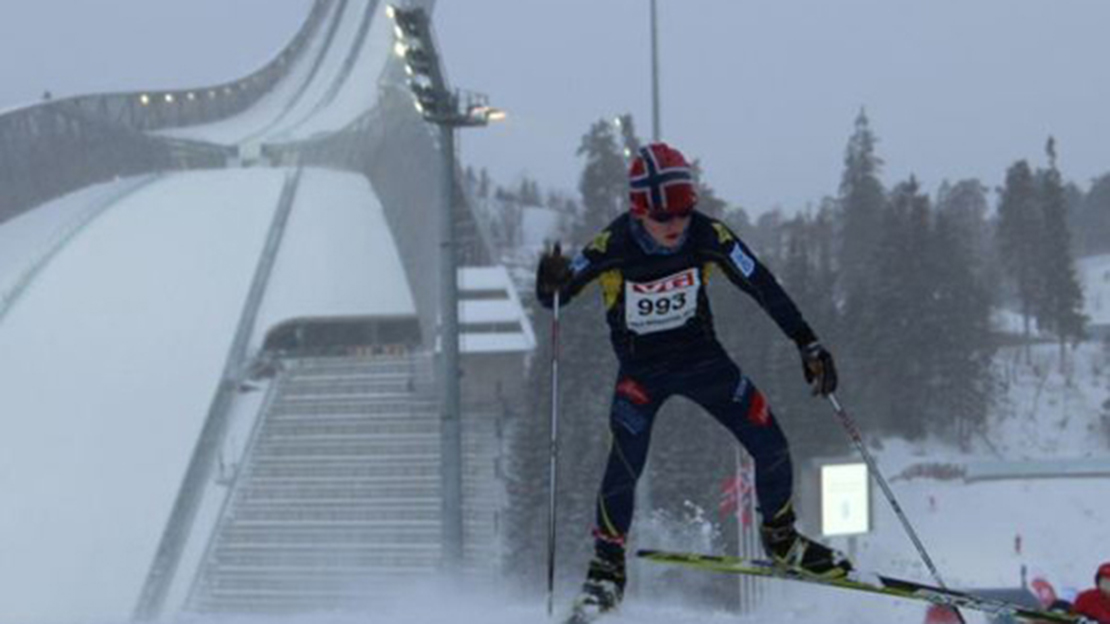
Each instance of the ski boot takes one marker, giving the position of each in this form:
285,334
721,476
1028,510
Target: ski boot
790,549
604,587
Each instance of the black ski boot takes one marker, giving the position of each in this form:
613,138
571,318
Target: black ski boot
604,587
790,549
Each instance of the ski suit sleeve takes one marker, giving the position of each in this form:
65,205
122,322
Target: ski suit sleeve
586,265
738,262
1092,604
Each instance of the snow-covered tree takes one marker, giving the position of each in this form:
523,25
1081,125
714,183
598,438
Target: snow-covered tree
1059,296
1019,228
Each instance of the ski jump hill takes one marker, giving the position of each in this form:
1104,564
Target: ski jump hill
217,327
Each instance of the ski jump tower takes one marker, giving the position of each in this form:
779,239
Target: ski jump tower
313,478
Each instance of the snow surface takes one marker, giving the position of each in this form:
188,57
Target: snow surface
360,92
330,68
109,362
305,104
270,108
505,310
27,240
1094,279
338,257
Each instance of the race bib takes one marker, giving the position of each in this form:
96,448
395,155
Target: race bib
663,304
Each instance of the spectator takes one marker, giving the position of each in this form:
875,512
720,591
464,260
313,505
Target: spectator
1095,603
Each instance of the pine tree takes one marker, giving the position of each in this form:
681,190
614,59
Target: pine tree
708,201
603,184
1019,227
1094,217
860,219
962,384
898,357
861,205
807,273
965,207
1060,297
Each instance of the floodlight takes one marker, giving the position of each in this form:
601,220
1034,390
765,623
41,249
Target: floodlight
409,21
483,114
419,60
429,97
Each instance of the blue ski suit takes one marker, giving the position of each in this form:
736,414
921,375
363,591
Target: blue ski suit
661,328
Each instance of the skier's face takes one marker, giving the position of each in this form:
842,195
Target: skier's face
1104,586
667,233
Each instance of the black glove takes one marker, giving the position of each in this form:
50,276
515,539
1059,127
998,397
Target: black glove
820,372
553,273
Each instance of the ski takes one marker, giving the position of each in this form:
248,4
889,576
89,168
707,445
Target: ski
864,582
579,617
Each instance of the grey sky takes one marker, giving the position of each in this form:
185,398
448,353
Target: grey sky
763,92
81,46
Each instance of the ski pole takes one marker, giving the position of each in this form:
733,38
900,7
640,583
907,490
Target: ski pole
873,468
553,468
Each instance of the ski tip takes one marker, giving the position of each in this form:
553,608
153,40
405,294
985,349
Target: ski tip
646,552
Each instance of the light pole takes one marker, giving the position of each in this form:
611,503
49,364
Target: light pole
441,106
656,131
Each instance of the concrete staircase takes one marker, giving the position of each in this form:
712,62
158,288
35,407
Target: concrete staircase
338,496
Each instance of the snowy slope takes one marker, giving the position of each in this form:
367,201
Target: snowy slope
331,85
272,107
359,92
330,69
971,528
28,240
108,363
338,257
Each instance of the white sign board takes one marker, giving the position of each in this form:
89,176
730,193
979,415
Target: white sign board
845,499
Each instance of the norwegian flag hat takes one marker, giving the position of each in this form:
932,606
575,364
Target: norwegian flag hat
660,181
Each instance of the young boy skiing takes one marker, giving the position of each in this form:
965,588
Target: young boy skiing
652,265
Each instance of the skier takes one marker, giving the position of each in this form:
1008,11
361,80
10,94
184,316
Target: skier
1095,603
652,264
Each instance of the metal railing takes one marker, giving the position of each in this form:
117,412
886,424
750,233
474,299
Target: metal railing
168,556
337,491
57,146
